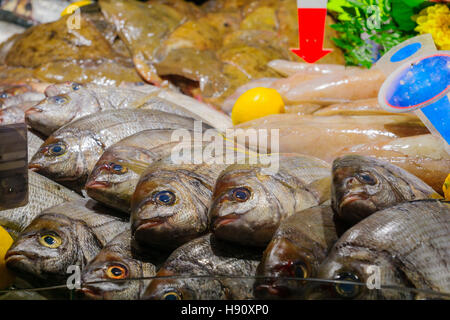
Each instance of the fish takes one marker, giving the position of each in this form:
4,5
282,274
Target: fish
300,244
250,201
43,193
117,172
409,245
336,88
326,137
206,257
170,204
364,185
69,234
15,100
70,153
289,68
119,259
353,108
423,155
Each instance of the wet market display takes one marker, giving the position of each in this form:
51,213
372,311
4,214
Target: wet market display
224,150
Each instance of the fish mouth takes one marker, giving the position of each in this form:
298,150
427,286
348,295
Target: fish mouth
352,197
224,220
146,224
35,167
92,292
32,110
13,257
272,290
97,185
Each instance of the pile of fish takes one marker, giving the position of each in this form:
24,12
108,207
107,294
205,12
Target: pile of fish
113,107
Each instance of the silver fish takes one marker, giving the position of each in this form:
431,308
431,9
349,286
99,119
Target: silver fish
68,234
409,245
206,256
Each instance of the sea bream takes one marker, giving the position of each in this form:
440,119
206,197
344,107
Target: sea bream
206,257
43,193
363,185
117,172
120,259
300,244
409,245
250,201
68,234
70,154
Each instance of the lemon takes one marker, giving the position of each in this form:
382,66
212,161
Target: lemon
446,188
73,6
257,103
6,278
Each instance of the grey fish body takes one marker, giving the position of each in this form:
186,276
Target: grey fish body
117,172
70,154
206,256
68,234
42,194
118,260
363,185
409,243
249,201
300,244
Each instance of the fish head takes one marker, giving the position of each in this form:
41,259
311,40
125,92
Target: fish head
105,277
169,207
113,179
362,266
67,157
54,112
361,187
242,205
283,259
48,246
62,88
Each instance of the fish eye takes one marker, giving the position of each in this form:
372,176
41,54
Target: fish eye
240,194
366,178
50,240
117,168
57,149
3,95
76,86
59,99
165,197
117,271
300,270
172,295
347,290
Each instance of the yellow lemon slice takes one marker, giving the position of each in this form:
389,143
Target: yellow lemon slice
446,188
6,278
73,6
257,103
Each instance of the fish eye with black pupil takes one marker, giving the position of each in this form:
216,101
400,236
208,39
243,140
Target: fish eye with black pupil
347,290
3,95
300,270
76,86
59,100
172,295
50,241
117,271
366,178
165,197
57,149
117,168
240,194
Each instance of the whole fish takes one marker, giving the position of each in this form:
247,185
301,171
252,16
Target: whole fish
117,172
422,155
250,201
118,260
325,137
409,245
170,204
68,234
363,185
70,153
42,194
206,256
299,245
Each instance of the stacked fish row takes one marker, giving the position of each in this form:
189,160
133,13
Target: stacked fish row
307,219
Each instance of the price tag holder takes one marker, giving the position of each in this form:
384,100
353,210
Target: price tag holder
13,166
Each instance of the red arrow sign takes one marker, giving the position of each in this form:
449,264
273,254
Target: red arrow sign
311,32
